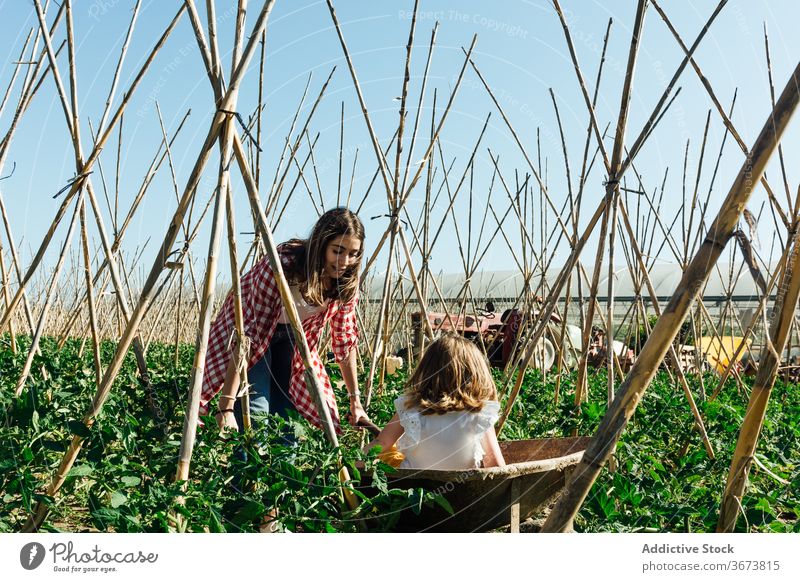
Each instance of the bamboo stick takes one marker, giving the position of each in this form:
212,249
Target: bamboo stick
751,328
382,164
341,155
426,158
72,109
371,183
770,194
205,51
352,180
259,117
650,124
699,232
793,209
6,282
316,178
519,144
576,212
41,510
613,167
13,80
26,96
637,380
207,305
120,61
111,212
37,335
78,182
15,261
90,294
118,235
611,352
311,379
549,307
275,193
236,290
743,456
79,205
673,354
395,198
431,44
213,46
570,199
383,318
29,89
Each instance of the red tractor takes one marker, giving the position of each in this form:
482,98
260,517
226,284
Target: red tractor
497,334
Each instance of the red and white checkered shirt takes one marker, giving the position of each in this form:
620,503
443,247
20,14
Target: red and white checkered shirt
261,307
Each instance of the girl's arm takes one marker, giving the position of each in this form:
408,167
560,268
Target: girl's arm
350,376
492,455
389,435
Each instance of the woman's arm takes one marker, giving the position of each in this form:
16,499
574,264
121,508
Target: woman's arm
344,336
350,376
389,435
492,455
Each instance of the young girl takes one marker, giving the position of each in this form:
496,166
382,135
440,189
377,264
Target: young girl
323,273
445,420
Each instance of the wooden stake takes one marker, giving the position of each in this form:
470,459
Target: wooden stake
131,330
602,444
743,456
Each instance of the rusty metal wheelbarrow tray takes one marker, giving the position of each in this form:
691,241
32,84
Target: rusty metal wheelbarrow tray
497,497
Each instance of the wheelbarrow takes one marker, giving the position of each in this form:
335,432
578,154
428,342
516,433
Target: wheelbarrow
488,499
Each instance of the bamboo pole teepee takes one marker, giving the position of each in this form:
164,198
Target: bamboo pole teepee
642,372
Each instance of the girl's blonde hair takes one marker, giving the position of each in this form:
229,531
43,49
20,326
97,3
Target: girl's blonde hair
307,263
452,375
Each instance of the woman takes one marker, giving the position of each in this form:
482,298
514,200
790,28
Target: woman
323,273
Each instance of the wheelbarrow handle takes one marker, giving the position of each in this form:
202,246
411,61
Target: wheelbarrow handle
370,426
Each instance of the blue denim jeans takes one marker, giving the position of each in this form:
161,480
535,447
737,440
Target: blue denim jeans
269,385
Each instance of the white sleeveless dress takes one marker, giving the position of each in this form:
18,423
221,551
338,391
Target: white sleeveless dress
447,442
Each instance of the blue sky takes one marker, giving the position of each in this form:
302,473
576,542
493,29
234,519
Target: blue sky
520,50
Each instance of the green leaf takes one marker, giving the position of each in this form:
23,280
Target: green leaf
53,445
379,481
416,497
248,512
292,475
215,525
763,505
130,481
443,503
118,499
81,470
77,428
105,517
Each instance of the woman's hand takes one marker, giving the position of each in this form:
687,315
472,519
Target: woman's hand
357,412
226,421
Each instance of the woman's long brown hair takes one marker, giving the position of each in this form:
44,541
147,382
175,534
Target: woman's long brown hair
307,258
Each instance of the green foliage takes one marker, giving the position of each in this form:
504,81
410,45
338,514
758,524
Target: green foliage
124,478
654,486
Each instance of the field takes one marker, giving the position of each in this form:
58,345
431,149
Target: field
123,480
